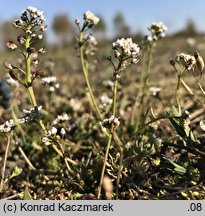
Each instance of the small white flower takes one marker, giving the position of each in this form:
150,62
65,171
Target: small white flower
62,131
128,47
157,30
90,18
108,123
46,141
53,131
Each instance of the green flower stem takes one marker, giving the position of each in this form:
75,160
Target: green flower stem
28,75
144,89
134,110
114,97
114,105
85,71
177,91
32,97
104,165
29,86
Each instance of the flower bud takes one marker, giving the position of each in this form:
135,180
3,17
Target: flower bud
172,62
77,21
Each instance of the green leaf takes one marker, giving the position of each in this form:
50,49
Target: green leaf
17,171
177,168
26,194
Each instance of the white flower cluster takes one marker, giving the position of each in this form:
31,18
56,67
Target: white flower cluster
126,48
109,122
51,82
60,119
157,30
7,126
52,134
33,17
187,61
27,116
90,19
31,115
35,13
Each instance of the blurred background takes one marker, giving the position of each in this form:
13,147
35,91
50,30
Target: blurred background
118,18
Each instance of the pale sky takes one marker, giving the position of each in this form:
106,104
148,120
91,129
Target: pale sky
138,13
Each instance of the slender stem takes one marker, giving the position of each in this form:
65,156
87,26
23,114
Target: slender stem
66,160
177,91
201,88
114,97
4,164
144,89
104,166
133,115
94,104
190,91
85,71
114,105
29,87
28,74
26,158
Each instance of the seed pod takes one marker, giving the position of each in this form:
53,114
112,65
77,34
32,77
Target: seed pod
199,62
8,65
11,45
30,50
40,73
13,75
